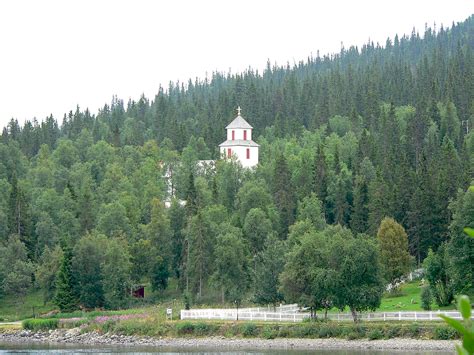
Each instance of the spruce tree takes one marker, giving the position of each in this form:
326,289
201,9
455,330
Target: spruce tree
66,294
283,195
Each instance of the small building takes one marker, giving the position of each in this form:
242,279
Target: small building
239,143
138,291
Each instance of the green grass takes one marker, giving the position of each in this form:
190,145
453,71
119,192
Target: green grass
408,298
40,324
12,310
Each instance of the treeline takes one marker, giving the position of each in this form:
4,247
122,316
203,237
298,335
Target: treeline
346,140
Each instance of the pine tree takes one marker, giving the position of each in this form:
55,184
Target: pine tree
283,195
460,248
321,178
360,210
66,287
191,197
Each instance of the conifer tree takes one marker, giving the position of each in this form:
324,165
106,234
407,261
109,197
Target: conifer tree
191,197
460,248
320,178
66,286
283,194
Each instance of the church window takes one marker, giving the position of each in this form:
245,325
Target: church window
248,153
233,135
245,135
229,152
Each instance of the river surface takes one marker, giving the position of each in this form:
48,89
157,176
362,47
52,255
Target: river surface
37,349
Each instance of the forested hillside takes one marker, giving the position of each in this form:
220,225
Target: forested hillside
346,139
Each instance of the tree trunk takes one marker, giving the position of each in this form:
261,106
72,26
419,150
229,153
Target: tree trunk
354,315
200,285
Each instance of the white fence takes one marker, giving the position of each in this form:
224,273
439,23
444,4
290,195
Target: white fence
243,314
397,316
262,314
287,308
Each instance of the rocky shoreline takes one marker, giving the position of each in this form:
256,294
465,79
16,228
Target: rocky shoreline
74,336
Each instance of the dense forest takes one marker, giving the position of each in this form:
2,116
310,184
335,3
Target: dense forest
346,140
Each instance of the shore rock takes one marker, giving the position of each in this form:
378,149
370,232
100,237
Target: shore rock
74,336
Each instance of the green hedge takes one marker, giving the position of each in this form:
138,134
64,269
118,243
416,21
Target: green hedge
40,324
330,329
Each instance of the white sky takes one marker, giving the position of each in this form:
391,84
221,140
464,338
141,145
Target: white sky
57,54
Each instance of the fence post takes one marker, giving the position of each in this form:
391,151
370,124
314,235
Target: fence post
431,315
294,317
265,316
280,316
399,315
384,316
416,318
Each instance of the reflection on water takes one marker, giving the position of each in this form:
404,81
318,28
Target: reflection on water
38,349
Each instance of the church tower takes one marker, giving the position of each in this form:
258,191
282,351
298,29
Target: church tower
239,142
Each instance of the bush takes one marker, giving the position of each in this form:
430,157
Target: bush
108,326
393,331
354,335
445,333
375,334
283,332
269,332
184,328
413,330
308,330
203,328
40,324
426,298
329,331
249,330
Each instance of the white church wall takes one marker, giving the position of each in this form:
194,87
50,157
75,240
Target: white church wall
239,134
240,152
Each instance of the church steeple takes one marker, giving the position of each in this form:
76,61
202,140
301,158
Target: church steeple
239,143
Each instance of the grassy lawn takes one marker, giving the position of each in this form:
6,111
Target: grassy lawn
408,299
12,310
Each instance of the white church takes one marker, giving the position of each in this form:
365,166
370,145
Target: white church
239,146
239,143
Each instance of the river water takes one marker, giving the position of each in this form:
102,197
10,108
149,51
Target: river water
37,349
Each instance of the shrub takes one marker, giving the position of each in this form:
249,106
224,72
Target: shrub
375,334
203,328
324,332
413,330
426,298
184,328
269,332
308,330
40,324
353,335
108,326
445,333
393,331
283,332
249,330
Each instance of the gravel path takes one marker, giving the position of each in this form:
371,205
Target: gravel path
74,336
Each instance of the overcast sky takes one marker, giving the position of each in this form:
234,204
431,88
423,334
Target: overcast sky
55,55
